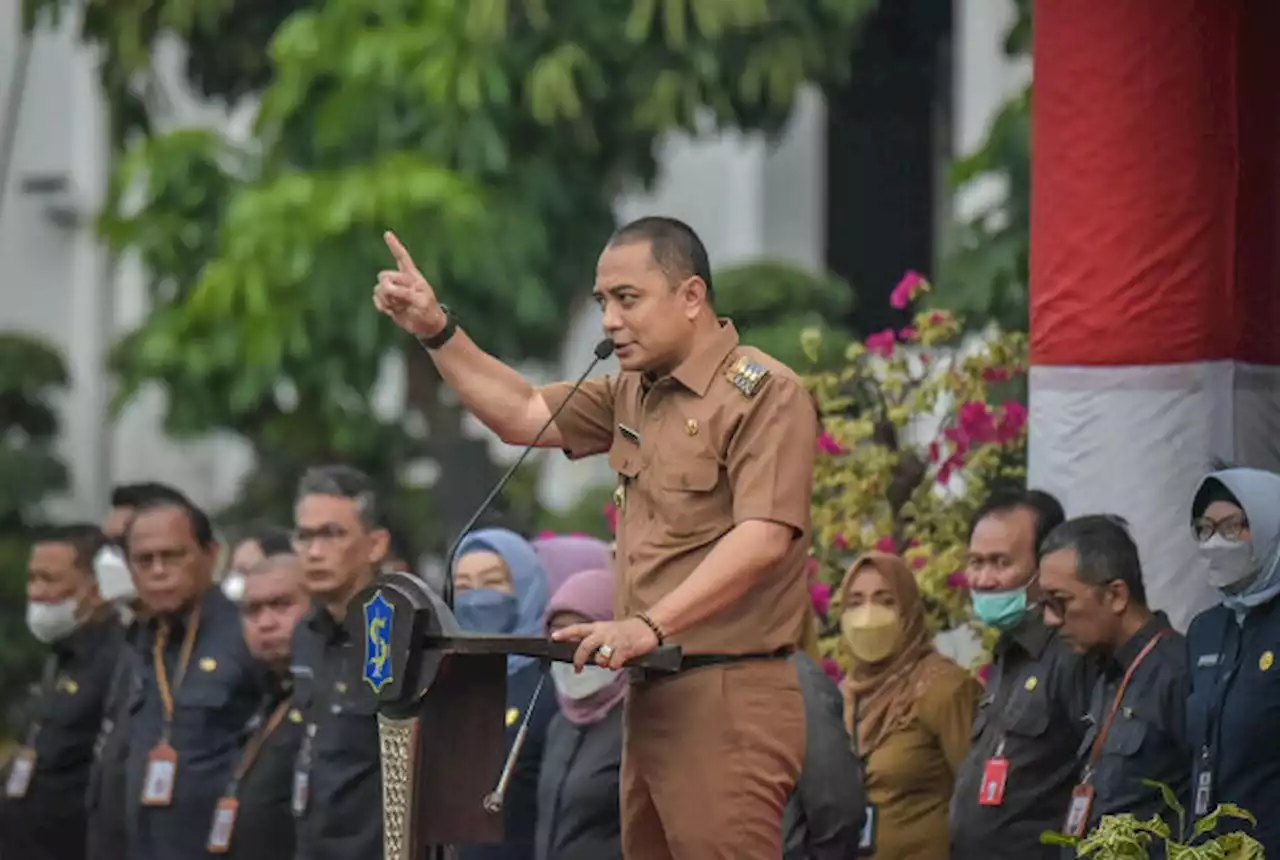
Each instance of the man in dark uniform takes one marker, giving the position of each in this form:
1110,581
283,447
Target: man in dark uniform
338,784
254,819
108,832
1016,781
42,815
197,688
1092,590
712,441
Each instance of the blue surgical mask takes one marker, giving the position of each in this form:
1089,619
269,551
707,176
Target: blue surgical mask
1000,609
486,610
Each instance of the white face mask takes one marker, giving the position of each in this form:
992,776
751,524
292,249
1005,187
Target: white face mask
1230,562
233,586
579,686
50,622
115,583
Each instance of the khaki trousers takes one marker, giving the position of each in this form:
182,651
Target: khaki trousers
710,758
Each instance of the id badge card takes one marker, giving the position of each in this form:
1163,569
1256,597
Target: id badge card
224,824
301,789
21,770
867,842
162,770
994,776
1204,792
1079,810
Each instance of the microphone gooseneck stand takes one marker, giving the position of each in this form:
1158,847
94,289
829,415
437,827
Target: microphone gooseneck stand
494,801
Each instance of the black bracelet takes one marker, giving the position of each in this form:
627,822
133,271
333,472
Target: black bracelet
443,336
652,625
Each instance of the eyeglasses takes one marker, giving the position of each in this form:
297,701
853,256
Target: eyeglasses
1231,527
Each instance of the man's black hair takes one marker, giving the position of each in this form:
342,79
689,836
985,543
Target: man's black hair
1046,508
1105,551
272,540
674,245
85,538
135,495
344,482
201,525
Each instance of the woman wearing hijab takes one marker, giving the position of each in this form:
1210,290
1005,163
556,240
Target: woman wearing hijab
1234,705
909,710
564,555
502,588
578,817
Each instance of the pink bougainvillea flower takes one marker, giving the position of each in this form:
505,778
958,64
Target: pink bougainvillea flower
957,580
544,534
907,333
918,562
937,318
820,598
976,423
1013,417
948,468
840,542
935,452
984,673
832,668
911,285
827,444
611,517
886,544
996,374
881,343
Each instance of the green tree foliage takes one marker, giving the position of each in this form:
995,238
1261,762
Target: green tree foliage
984,273
30,373
773,303
492,135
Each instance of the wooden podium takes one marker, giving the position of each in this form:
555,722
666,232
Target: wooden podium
442,698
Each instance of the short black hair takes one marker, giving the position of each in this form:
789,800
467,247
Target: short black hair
1105,551
1045,506
345,482
135,495
201,525
674,245
272,540
85,538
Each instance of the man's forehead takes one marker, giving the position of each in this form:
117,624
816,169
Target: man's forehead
274,582
51,554
624,264
318,509
1058,569
1003,531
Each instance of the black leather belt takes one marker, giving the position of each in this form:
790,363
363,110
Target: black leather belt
702,661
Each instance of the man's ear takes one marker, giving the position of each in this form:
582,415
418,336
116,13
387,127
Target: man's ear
1119,597
379,542
693,292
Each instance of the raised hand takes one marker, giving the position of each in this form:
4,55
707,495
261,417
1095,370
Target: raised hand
405,296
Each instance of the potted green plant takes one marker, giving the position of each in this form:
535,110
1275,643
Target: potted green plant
1127,837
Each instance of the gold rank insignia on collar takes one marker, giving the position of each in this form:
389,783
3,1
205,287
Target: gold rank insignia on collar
746,376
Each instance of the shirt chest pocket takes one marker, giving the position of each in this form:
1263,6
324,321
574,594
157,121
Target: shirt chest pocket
694,494
203,708
1027,715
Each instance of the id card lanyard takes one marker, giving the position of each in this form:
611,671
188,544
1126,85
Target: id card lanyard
23,767
224,814
162,762
1222,684
867,841
1082,796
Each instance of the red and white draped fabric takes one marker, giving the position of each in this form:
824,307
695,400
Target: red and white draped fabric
1155,262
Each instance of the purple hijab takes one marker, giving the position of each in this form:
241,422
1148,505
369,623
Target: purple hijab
564,555
589,593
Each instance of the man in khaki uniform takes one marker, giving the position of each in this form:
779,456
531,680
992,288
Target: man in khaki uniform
713,445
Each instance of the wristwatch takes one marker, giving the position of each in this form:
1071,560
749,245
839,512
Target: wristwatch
443,336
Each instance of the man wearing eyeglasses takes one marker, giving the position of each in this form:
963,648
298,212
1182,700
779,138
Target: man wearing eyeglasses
1016,780
1093,595
337,786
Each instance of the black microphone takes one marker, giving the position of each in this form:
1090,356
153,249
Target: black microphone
603,350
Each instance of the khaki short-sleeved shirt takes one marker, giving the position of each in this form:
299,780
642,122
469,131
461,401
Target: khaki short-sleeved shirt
727,437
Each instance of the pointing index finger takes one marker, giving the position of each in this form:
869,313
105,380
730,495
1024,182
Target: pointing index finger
403,261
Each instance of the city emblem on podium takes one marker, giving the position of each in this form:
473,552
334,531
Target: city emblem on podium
378,616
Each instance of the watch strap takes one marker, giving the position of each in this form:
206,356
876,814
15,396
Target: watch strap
445,334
